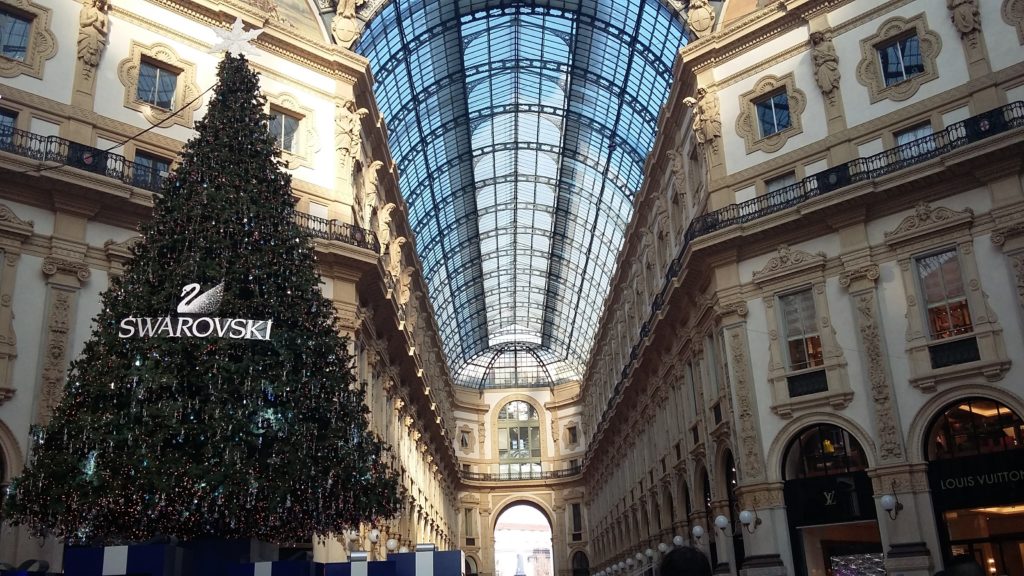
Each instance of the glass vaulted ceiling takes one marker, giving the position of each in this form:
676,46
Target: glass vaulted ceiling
520,133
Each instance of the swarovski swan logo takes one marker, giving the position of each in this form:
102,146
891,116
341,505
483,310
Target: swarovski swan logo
193,303
193,320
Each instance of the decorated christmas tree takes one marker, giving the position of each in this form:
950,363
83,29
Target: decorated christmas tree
215,396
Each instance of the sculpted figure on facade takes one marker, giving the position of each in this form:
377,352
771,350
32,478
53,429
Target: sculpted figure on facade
965,16
826,63
707,121
384,226
348,132
676,164
405,284
344,26
93,28
701,17
370,194
394,264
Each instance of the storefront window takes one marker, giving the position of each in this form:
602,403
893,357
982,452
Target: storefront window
974,426
823,450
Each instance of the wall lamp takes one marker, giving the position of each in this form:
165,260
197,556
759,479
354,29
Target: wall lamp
698,532
750,520
663,547
678,540
891,503
721,522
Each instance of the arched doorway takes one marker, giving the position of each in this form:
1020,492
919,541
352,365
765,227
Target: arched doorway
580,564
522,542
830,504
975,452
471,569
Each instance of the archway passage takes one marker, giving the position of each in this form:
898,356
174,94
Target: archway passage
580,564
830,504
522,542
975,449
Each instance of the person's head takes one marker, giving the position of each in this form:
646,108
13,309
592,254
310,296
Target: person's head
964,566
685,561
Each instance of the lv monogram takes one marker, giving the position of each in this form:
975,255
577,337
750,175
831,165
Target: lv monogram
830,497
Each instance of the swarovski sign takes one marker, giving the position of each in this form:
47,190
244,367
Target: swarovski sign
193,321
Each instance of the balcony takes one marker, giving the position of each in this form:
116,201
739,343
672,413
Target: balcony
521,476
62,152
955,136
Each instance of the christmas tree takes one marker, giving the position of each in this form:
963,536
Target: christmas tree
233,413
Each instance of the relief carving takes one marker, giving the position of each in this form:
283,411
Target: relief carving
55,353
348,135
753,461
965,16
1013,14
925,219
370,195
788,260
701,18
93,29
384,226
707,120
890,445
826,64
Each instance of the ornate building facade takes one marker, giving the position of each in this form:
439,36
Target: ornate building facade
808,359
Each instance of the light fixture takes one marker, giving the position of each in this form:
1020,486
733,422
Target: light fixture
750,520
678,540
622,565
391,544
403,550
640,557
721,522
698,532
629,562
891,503
374,535
664,547
649,553
353,535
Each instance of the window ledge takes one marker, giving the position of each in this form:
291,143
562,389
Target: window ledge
835,399
992,369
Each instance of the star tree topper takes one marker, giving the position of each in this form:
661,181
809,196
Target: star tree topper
236,40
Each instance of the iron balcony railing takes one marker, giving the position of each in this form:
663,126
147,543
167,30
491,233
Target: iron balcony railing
519,476
64,152
973,129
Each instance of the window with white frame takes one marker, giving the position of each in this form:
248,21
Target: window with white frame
156,85
915,141
284,128
773,185
773,113
15,32
947,312
900,59
799,322
150,170
8,121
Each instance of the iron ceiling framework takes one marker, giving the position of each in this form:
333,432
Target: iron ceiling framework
520,132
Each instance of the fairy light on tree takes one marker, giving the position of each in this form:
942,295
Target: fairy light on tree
192,436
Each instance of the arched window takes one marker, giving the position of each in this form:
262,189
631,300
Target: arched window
823,450
519,440
580,564
974,426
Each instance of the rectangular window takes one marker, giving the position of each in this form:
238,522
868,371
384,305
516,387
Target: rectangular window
149,171
723,358
803,343
574,463
464,439
774,185
470,524
900,59
8,120
574,436
773,113
942,289
711,365
577,518
156,85
915,141
284,128
14,35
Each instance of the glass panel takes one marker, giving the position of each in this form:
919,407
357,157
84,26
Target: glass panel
146,87
522,134
942,288
14,32
974,426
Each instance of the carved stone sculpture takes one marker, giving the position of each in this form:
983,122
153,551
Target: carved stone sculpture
395,257
344,26
368,203
826,63
405,284
348,138
965,16
384,226
707,121
700,17
93,28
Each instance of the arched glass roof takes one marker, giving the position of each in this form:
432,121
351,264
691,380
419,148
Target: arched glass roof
520,132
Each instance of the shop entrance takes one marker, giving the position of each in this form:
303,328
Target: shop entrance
830,505
976,473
